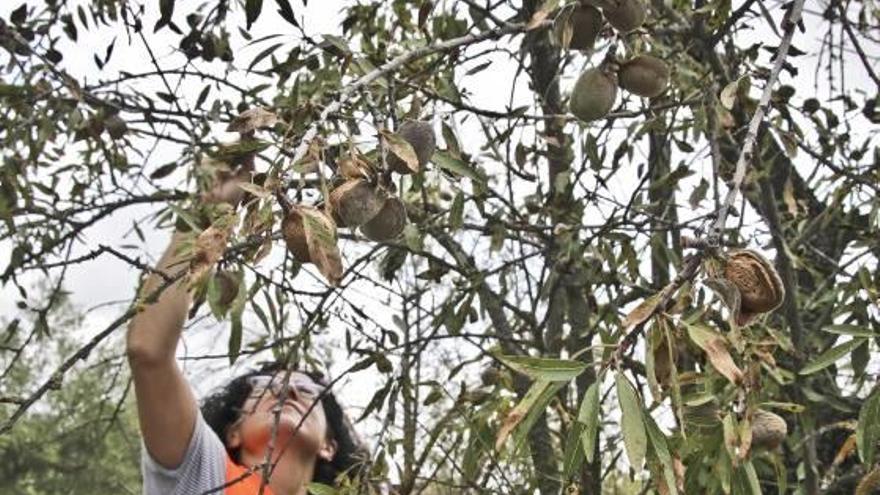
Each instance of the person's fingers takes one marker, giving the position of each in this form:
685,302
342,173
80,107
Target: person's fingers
226,189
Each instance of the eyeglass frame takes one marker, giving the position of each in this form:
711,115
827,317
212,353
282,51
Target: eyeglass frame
275,384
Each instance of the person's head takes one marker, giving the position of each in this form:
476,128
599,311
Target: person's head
242,413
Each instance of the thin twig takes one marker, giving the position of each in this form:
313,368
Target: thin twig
790,23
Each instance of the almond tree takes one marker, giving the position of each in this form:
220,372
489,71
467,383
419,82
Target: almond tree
575,243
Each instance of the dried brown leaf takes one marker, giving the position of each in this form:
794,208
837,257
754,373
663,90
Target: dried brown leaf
713,344
251,120
642,312
209,247
321,238
401,148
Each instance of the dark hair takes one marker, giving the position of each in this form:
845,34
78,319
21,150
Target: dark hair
223,408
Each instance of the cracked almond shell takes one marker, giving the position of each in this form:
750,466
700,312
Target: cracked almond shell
760,287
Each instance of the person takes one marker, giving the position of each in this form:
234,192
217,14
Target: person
222,446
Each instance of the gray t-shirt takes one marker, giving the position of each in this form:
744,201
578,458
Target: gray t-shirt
203,467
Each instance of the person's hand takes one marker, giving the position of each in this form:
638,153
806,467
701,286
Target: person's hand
225,188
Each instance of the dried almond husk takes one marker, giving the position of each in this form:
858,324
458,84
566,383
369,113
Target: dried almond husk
625,15
355,202
420,135
582,23
594,94
388,223
644,75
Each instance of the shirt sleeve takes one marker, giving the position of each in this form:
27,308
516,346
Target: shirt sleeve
203,467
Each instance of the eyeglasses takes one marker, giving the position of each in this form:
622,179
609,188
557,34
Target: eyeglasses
302,384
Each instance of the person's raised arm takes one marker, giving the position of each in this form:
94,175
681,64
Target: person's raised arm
166,405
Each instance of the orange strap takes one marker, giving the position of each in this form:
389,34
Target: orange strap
246,484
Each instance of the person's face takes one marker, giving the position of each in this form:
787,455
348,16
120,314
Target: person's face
302,425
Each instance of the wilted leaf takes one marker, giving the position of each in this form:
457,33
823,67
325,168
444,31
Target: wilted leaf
729,93
789,198
845,450
699,194
642,312
209,247
402,149
321,238
540,15
518,413
713,344
424,11
868,485
729,294
256,190
251,120
632,424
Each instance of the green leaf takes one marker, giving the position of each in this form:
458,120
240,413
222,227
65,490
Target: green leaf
661,449
337,42
831,356
521,433
752,477
252,10
166,12
316,488
519,412
456,212
589,416
551,370
457,166
235,338
632,423
286,12
868,430
236,311
853,330
573,455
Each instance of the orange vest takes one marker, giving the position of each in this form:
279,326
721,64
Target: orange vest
249,485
